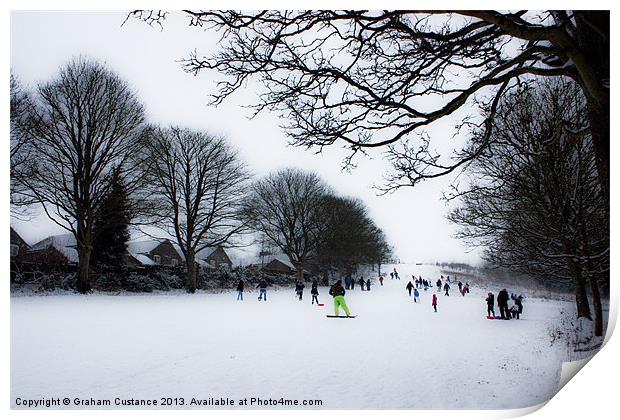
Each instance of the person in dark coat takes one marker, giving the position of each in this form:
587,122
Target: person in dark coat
240,290
362,283
262,287
381,280
460,287
409,288
446,288
299,289
438,285
519,306
368,284
337,291
502,303
490,304
314,291
347,282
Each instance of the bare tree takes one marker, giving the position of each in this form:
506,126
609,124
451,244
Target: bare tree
196,182
86,122
369,79
21,152
534,200
286,207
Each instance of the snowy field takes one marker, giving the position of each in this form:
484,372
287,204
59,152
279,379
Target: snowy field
396,354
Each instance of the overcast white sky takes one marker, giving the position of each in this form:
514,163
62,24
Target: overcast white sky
413,218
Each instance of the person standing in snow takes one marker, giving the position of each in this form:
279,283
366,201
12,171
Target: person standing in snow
438,285
347,282
409,288
299,289
467,287
446,288
460,287
416,295
490,304
314,291
502,303
381,280
337,291
434,302
368,285
392,275
396,276
519,304
240,290
262,288
362,283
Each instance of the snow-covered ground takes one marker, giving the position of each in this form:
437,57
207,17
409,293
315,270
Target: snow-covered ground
396,354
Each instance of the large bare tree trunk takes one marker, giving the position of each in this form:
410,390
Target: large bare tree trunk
598,308
300,273
581,298
83,283
191,271
593,37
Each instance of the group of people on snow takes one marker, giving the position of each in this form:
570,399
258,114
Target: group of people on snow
502,303
337,291
349,283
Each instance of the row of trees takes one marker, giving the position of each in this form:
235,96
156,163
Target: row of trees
82,149
533,199
316,229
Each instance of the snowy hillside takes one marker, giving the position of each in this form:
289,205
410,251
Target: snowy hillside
396,354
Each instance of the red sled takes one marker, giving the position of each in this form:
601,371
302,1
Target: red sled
320,304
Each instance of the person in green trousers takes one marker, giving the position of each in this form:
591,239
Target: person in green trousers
337,291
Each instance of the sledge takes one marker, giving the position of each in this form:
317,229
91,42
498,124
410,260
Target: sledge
341,316
494,317
320,304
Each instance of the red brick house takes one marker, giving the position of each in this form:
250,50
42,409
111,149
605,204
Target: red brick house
19,247
279,266
214,258
153,252
54,252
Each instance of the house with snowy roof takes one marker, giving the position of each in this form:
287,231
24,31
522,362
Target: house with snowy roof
279,264
153,252
214,258
54,251
19,246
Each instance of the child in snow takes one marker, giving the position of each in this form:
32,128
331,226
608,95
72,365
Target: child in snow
381,280
416,295
466,287
396,274
392,276
314,291
368,285
518,306
446,288
362,283
460,287
409,288
337,291
240,290
262,287
299,289
490,304
434,303
438,285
